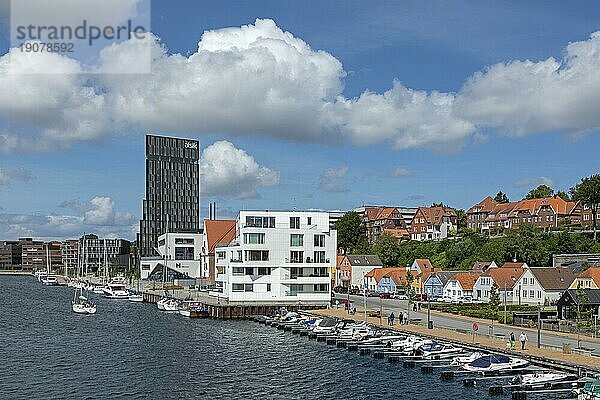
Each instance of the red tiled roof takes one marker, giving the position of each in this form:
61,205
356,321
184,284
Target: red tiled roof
377,273
424,264
385,213
505,276
434,215
218,232
593,273
513,265
487,205
466,279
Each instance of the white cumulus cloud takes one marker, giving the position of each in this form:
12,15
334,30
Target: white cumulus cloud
261,80
97,215
525,97
402,172
14,174
229,171
540,180
332,180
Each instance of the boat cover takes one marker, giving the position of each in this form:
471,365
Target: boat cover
486,361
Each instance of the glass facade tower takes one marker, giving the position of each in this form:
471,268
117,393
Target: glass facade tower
172,190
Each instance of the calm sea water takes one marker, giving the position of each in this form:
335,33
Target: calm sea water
133,351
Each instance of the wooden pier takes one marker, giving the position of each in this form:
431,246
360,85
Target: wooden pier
221,309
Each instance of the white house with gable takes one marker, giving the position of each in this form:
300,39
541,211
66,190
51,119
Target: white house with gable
278,256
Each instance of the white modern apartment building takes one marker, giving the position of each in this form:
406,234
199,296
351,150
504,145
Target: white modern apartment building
282,257
181,253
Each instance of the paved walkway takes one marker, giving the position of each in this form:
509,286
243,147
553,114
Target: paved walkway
486,327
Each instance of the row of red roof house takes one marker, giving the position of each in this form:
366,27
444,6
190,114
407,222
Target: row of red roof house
545,213
516,283
435,223
423,223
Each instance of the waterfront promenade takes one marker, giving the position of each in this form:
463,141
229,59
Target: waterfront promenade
551,354
486,327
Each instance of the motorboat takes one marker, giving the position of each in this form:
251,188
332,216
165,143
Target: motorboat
171,305
168,304
542,378
50,280
495,362
355,332
409,344
462,360
327,326
385,340
135,297
98,289
589,391
194,310
160,304
116,291
437,351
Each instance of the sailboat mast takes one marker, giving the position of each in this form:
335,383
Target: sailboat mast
48,258
165,252
105,278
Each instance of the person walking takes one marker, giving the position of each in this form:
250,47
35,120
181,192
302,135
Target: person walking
512,340
392,319
523,338
405,318
400,316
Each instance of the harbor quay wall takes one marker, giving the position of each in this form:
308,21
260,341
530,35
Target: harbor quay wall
220,308
582,365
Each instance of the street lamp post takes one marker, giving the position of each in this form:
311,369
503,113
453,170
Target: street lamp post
505,303
539,325
429,311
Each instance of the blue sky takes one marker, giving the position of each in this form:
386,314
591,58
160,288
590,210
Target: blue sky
48,191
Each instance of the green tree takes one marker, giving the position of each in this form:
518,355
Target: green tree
409,290
461,218
583,320
539,192
350,232
501,197
588,193
438,204
494,297
527,244
386,248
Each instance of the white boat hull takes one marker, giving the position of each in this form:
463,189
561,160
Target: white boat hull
83,309
136,299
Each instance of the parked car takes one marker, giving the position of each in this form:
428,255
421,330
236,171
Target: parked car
399,296
354,291
385,295
340,289
421,297
372,293
446,299
464,300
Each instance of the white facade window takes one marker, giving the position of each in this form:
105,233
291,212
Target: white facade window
532,293
524,293
254,238
319,241
294,222
296,256
296,240
319,257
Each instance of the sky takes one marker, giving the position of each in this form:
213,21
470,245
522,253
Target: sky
306,105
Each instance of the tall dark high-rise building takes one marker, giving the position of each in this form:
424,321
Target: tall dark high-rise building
172,190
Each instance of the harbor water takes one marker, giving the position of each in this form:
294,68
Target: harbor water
133,351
